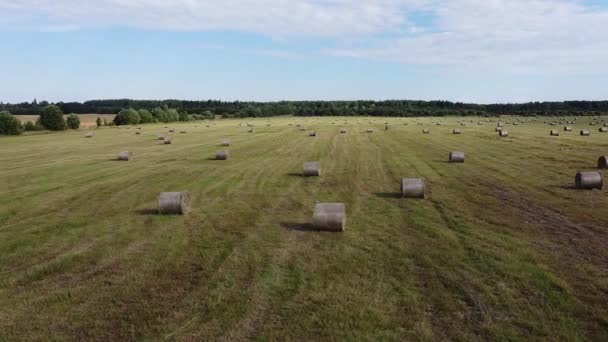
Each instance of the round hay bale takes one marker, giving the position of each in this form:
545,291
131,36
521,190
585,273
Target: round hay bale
138,133
603,129
585,133
171,130
503,134
412,187
554,133
370,130
174,203
250,130
183,132
456,131
222,155
343,131
329,217
602,163
567,129
456,157
225,142
125,156
589,180
167,140
312,134
500,124
426,131
311,169
89,135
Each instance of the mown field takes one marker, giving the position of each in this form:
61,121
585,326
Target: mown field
502,248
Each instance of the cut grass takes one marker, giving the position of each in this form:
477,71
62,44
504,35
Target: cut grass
502,248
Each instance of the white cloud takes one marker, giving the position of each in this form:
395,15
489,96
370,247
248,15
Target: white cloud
515,35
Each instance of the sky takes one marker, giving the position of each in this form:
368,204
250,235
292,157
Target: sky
484,51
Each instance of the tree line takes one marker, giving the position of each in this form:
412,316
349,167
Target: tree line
239,109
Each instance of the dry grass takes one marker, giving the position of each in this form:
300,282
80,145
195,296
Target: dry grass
502,248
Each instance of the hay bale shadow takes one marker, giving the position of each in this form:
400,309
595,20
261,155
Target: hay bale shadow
147,212
297,226
295,174
388,194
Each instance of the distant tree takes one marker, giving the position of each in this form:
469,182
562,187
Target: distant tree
183,116
29,126
127,117
51,118
99,122
73,121
9,125
105,122
145,116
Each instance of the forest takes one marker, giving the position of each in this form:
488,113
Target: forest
394,108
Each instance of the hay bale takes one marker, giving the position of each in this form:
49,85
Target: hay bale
343,131
370,130
89,135
503,134
138,133
456,131
167,140
171,130
182,132
585,133
603,129
500,124
329,216
567,129
125,156
222,155
602,163
426,131
412,187
589,180
312,134
456,157
225,142
174,203
554,133
311,169
250,130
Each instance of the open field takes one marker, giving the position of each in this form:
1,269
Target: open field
502,248
86,120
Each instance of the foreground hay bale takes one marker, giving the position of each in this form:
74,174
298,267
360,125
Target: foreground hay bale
456,157
603,129
456,131
554,133
426,131
589,180
567,129
311,169
329,217
222,155
602,163
585,133
174,203
125,156
412,187
503,134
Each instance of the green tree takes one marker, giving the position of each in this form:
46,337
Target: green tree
98,121
73,121
127,117
9,124
145,116
51,118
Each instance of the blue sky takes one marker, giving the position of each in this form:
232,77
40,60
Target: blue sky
459,50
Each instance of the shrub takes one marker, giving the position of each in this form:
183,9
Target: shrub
51,118
99,122
9,124
73,121
145,116
29,126
127,117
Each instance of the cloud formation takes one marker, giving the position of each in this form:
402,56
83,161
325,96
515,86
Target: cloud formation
528,36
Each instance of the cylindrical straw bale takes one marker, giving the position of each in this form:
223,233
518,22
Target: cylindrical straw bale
343,131
456,131
554,133
330,217
125,156
222,155
167,140
585,133
567,129
174,203
412,187
503,133
602,163
603,129
89,135
456,157
370,130
311,169
589,180
312,134
426,131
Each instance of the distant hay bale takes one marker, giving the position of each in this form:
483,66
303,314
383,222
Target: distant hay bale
312,134
602,163
503,134
183,132
426,131
222,155
589,180
456,157
171,130
412,187
174,203
554,133
125,156
311,169
567,129
167,140
225,142
386,127
138,133
250,130
89,135
329,217
585,133
343,131
603,129
456,131
370,130
500,124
